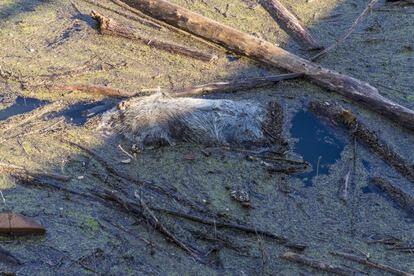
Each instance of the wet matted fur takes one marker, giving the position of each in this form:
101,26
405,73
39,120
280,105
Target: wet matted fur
163,120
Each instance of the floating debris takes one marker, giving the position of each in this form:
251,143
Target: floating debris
241,196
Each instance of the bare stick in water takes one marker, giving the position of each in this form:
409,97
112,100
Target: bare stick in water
341,40
266,52
290,23
108,26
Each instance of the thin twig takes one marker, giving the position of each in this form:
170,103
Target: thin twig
319,265
158,225
143,21
341,39
367,262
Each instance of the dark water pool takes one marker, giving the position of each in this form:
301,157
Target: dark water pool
79,113
318,144
20,106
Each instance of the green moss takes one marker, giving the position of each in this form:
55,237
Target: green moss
6,182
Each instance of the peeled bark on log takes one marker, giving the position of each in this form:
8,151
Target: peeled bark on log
108,26
270,54
301,259
290,24
346,118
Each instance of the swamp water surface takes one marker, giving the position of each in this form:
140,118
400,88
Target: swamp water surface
317,143
86,237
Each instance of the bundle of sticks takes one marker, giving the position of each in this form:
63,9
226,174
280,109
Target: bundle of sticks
180,19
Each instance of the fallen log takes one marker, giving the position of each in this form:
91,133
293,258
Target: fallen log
163,24
108,26
196,90
362,133
290,23
301,259
397,194
236,85
270,54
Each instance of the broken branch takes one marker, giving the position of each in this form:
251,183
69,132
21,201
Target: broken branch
236,85
290,23
108,26
196,90
367,262
397,194
132,17
270,54
94,89
300,259
346,118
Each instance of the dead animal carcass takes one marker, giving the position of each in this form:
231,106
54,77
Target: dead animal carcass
159,120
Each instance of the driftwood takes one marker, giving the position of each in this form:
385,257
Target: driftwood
236,85
227,225
153,220
290,23
401,197
270,54
301,259
196,90
137,209
108,26
141,20
163,24
347,119
94,89
369,263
